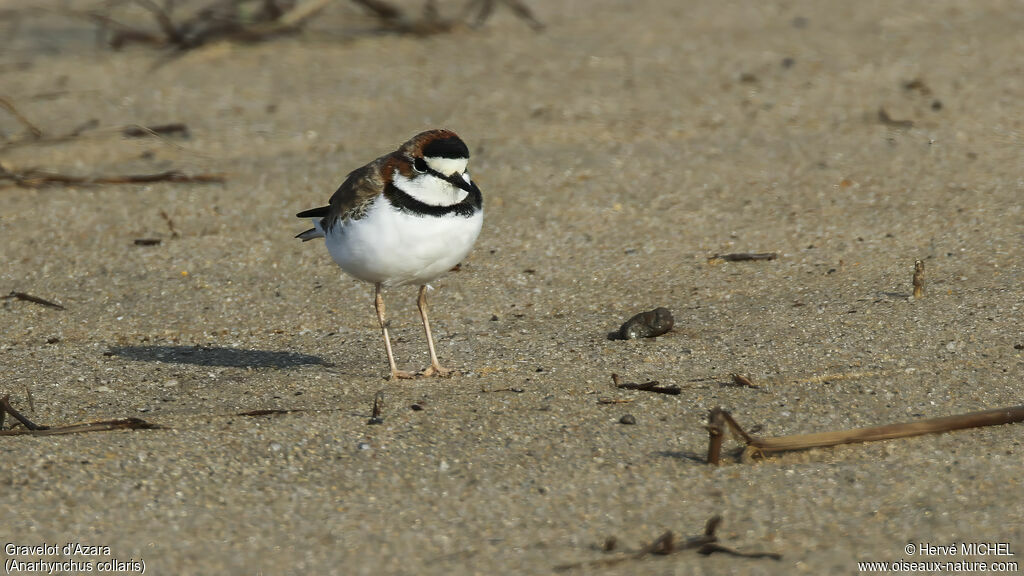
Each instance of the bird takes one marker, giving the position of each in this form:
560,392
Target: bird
406,218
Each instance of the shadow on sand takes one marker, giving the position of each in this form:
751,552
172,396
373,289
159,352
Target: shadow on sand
206,356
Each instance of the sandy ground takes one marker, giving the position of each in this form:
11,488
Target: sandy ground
617,151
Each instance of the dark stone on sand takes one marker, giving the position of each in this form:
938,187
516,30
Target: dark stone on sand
645,325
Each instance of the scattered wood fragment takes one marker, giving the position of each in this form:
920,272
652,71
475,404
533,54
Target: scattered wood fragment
221,20
218,20
720,420
7,408
44,139
652,386
35,178
98,426
172,129
32,429
394,20
39,138
918,279
265,412
378,409
14,295
743,257
148,241
666,544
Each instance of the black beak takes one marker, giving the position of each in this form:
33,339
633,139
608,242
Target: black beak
459,182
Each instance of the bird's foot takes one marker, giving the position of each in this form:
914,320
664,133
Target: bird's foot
437,371
403,375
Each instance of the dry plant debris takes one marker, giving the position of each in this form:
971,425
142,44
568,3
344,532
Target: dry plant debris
652,386
743,257
668,543
259,20
376,416
720,420
15,295
36,136
35,178
30,428
240,20
172,129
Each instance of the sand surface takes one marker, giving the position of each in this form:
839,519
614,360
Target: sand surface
617,150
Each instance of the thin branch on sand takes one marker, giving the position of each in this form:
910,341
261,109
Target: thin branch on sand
35,178
32,429
720,420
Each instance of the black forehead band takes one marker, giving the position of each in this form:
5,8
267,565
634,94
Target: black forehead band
446,148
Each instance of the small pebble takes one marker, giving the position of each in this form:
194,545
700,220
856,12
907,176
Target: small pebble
416,407
627,419
645,325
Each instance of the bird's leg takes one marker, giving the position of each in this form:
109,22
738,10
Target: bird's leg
435,368
379,302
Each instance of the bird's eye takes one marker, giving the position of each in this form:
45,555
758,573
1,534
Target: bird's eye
419,164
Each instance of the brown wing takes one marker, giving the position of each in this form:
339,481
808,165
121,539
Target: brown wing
352,198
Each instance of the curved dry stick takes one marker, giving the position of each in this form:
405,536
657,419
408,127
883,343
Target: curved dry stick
99,426
719,419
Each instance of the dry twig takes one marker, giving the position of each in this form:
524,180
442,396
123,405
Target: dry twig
218,20
744,256
226,20
14,295
174,128
652,386
719,420
33,429
378,409
35,178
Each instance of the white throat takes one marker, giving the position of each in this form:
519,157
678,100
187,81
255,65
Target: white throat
429,189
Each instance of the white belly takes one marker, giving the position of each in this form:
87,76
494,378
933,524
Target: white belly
398,248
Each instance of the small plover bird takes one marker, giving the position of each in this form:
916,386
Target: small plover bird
406,218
